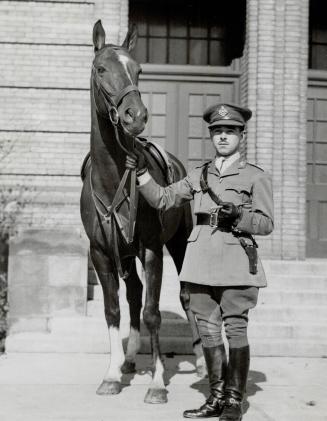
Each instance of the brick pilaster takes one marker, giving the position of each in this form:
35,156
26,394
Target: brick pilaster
274,85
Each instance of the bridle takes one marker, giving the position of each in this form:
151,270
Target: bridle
112,102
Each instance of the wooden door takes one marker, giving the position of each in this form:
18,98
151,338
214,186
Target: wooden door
175,109
317,170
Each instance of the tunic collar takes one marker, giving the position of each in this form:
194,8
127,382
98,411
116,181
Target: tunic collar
231,165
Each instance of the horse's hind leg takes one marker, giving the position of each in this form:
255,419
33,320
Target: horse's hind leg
134,289
111,384
177,247
157,392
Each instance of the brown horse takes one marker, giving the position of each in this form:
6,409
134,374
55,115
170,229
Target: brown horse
118,116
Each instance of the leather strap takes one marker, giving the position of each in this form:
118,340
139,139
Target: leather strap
205,186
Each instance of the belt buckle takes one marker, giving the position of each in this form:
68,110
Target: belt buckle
213,219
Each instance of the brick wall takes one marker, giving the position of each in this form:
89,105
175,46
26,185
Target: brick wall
274,84
45,68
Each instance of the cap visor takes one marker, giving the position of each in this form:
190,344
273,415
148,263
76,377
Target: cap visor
226,123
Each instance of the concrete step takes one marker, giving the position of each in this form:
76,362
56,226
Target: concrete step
297,282
180,329
268,297
292,297
286,347
298,313
168,345
43,342
309,267
287,330
90,335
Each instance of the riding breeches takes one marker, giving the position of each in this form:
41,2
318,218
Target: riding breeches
215,306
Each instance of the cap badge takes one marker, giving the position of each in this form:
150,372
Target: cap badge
222,111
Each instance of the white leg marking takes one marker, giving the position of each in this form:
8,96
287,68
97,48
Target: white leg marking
133,345
157,380
116,356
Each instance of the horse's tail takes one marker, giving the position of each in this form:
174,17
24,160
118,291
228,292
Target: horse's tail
85,166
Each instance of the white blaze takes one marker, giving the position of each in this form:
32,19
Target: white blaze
124,60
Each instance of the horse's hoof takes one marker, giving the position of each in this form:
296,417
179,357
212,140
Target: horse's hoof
128,367
201,371
156,396
109,388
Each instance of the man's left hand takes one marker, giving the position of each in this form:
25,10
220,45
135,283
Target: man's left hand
228,213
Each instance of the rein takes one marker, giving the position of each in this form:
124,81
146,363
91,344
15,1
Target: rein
111,216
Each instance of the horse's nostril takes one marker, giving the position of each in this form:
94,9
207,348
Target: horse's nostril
129,115
146,116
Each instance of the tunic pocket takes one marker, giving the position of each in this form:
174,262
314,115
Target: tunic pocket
240,188
239,193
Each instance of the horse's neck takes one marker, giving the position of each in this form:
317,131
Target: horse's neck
108,160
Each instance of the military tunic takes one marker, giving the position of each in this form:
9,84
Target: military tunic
214,257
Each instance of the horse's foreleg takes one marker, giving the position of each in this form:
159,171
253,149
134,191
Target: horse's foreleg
134,289
157,392
111,384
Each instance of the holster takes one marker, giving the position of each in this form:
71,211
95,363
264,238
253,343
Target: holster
252,253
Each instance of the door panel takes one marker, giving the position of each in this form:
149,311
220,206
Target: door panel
175,114
317,172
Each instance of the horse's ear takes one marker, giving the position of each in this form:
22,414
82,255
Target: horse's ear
131,38
99,36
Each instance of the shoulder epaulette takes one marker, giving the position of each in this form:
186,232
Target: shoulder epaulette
256,166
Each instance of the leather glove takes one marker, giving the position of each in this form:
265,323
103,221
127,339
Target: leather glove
136,161
229,213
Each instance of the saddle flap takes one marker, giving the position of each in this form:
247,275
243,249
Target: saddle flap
161,157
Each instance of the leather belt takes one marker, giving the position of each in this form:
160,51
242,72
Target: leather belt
206,219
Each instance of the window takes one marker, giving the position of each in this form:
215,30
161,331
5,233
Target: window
318,35
189,31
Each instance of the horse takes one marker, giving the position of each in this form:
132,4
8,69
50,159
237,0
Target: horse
121,226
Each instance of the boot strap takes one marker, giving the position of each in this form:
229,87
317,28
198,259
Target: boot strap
214,401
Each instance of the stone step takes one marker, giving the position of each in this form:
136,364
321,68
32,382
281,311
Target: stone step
285,347
87,334
43,342
290,267
268,297
290,297
287,330
309,268
179,328
175,329
297,282
274,313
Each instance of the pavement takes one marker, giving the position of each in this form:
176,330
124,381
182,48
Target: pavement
61,387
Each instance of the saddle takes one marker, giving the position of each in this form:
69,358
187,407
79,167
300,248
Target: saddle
159,155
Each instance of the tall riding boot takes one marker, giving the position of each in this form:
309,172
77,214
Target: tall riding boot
216,363
236,377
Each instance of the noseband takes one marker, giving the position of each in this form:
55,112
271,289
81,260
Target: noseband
112,101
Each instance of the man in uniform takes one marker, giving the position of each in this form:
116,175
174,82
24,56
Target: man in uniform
232,202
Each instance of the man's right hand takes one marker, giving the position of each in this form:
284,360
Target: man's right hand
136,161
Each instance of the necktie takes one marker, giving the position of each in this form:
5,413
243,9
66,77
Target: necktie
221,165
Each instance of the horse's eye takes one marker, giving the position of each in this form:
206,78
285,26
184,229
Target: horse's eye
101,70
